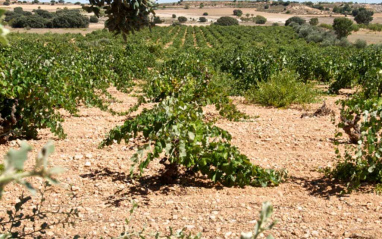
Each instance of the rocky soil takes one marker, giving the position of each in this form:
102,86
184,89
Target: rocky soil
96,182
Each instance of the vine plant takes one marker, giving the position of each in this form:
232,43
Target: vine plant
176,131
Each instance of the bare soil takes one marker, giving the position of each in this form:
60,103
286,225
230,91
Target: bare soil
306,206
371,37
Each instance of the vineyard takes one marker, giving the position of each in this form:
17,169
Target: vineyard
166,118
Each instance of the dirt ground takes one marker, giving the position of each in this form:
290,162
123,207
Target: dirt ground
305,206
216,12
371,37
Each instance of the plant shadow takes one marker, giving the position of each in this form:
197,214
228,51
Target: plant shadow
151,184
327,187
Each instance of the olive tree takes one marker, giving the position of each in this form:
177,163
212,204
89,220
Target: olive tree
342,27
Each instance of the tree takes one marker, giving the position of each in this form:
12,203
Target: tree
173,16
61,1
123,16
182,19
227,21
342,27
260,19
202,19
313,21
18,10
363,16
238,12
201,5
297,20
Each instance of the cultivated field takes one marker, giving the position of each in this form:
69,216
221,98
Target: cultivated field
195,124
197,85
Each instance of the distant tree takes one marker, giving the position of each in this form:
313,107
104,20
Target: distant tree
6,3
18,10
238,12
173,16
309,4
336,9
342,27
187,6
313,21
61,1
266,6
182,19
364,16
260,19
202,19
297,20
52,2
227,21
201,5
93,19
157,20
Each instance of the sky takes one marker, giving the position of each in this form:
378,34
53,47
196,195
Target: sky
167,1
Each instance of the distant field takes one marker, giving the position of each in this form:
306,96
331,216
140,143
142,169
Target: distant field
30,7
194,13
370,37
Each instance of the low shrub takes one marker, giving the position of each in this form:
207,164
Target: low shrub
297,20
260,19
202,19
34,21
158,20
70,19
326,26
93,19
360,43
173,16
182,19
227,21
238,12
205,14
282,90
313,21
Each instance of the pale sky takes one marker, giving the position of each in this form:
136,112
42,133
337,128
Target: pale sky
167,1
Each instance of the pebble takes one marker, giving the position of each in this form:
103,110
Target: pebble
78,157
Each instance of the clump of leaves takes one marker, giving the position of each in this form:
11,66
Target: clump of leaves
178,129
282,90
123,16
14,167
262,224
